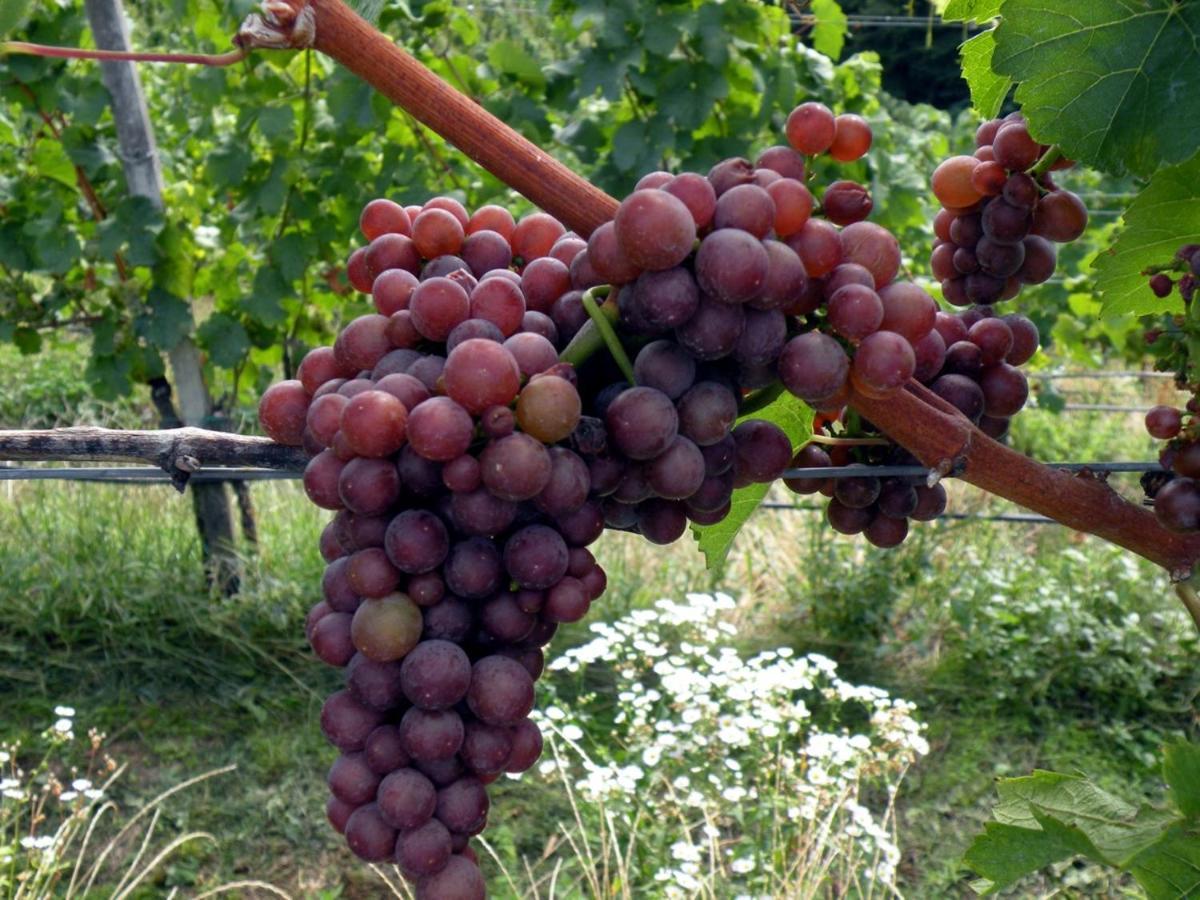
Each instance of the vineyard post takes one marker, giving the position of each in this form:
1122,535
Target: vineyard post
939,436
143,174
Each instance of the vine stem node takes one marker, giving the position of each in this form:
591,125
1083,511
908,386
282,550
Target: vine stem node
281,25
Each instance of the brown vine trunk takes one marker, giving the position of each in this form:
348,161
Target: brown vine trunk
912,419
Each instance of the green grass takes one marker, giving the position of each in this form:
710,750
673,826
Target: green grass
1016,643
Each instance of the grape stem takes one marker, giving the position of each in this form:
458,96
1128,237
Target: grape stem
849,442
201,59
1052,155
1191,601
607,333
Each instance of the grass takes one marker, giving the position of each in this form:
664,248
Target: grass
1014,641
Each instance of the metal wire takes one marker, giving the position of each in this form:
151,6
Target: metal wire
1028,518
139,475
150,475
865,21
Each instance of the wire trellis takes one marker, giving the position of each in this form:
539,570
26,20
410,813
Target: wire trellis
152,475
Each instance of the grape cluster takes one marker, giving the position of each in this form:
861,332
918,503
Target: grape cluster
1177,494
469,466
439,429
970,360
1000,221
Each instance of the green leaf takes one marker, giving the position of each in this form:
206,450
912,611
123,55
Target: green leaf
628,144
1170,868
12,14
225,339
27,340
277,123
1004,854
972,10
51,161
510,58
227,166
714,541
1116,829
265,301
1109,81
166,321
1165,215
829,30
988,89
1181,766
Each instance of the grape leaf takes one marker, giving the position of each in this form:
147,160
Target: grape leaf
714,541
1003,854
1182,769
12,13
971,10
1165,215
1109,81
988,89
225,339
829,30
1170,868
166,320
51,160
1116,829
512,59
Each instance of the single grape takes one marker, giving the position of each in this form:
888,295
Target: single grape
851,138
1177,505
811,128
813,366
386,629
731,265
549,408
1163,422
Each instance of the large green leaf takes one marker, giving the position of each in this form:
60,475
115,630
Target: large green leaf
1118,830
988,89
1163,217
1110,81
829,32
714,541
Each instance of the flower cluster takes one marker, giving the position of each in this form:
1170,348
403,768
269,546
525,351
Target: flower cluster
47,794
754,770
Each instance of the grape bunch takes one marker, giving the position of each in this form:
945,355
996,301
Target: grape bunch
473,435
438,428
970,360
1001,217
1176,494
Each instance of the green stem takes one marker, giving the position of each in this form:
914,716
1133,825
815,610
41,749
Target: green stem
1187,593
1049,158
603,319
849,442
